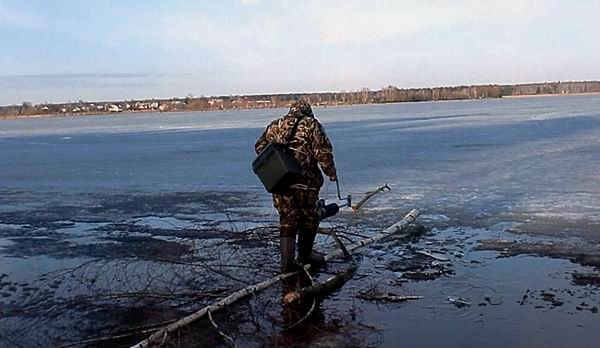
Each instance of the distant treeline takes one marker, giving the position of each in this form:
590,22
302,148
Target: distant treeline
388,94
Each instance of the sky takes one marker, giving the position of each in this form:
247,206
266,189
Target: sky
67,50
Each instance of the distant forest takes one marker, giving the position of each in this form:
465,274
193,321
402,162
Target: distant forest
388,94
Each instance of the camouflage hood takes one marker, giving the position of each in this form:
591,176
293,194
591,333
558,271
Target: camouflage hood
300,107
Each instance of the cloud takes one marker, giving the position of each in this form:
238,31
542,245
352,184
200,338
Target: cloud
360,22
203,30
246,38
337,22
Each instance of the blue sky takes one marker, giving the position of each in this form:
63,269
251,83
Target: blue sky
97,50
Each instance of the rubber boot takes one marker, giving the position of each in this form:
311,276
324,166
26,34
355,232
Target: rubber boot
306,254
287,246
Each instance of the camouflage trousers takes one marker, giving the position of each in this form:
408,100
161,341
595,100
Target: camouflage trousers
297,211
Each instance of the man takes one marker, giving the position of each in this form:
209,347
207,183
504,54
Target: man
297,206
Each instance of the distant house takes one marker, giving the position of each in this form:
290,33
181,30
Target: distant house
212,102
263,103
114,108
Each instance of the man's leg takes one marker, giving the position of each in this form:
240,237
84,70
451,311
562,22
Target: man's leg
309,226
288,226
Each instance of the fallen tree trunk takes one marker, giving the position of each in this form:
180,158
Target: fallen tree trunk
234,297
395,228
370,195
327,286
163,333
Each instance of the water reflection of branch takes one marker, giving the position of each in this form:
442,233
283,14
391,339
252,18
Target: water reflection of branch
312,307
206,266
126,333
228,340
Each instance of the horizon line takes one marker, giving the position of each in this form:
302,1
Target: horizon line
193,96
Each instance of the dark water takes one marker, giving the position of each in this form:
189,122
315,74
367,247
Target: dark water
80,189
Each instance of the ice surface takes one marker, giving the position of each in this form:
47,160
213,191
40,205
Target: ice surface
534,155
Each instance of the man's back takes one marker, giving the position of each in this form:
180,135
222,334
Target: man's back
310,145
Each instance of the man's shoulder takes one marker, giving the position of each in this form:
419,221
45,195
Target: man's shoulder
306,124
313,123
312,120
289,121
276,123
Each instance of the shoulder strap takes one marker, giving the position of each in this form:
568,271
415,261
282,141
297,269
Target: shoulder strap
294,129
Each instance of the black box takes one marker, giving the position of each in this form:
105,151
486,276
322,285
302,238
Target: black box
276,167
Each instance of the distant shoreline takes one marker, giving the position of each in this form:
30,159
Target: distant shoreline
387,95
106,113
550,95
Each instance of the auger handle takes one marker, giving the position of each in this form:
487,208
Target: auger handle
348,199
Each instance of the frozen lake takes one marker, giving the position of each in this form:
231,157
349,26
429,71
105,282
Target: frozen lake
532,155
97,210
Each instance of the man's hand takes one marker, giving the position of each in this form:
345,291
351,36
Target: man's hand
333,177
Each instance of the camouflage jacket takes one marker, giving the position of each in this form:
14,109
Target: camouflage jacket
310,144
